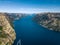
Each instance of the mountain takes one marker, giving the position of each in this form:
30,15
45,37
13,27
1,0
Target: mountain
48,20
7,33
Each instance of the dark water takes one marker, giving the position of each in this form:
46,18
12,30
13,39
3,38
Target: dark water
30,33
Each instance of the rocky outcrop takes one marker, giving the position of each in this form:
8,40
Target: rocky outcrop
48,20
7,33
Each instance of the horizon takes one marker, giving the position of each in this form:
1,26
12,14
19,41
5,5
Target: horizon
29,13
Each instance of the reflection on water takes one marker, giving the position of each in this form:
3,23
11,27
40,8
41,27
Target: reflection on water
31,33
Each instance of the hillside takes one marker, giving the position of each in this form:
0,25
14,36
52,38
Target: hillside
48,20
7,33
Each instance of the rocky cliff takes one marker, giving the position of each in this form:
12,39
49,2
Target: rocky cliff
7,33
48,20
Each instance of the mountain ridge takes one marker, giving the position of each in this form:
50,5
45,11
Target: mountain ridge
48,20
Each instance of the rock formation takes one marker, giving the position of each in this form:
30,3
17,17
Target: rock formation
48,20
7,33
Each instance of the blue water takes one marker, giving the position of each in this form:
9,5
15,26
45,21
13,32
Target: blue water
30,33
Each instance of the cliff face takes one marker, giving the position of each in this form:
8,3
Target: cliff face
7,33
48,20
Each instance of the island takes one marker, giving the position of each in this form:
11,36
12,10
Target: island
7,32
48,20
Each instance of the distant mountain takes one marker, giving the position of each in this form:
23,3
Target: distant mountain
14,16
48,20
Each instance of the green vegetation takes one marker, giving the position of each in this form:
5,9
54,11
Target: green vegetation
1,27
2,35
0,42
7,44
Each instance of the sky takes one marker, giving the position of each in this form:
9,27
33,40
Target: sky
29,6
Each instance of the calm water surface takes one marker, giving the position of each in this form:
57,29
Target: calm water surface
30,33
